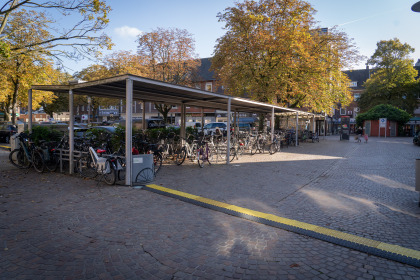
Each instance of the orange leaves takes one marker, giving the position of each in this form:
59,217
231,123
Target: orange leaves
273,51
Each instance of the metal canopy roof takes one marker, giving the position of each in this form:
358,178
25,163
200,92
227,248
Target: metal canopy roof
145,89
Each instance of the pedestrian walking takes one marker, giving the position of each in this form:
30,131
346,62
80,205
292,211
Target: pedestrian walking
366,138
359,134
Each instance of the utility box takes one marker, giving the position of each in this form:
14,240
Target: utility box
143,171
14,142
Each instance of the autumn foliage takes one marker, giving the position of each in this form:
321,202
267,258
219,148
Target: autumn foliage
274,52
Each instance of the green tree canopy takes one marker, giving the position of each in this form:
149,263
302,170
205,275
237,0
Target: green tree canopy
393,81
390,112
274,52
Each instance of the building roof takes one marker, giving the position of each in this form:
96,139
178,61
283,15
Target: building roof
204,73
360,76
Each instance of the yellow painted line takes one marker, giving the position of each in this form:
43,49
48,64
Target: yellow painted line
321,230
6,147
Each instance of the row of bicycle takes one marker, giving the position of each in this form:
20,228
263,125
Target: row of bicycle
97,158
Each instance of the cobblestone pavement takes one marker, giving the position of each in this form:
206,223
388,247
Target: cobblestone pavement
56,226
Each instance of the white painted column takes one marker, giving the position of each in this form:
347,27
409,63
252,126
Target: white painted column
183,112
202,119
272,124
235,123
297,129
313,124
89,109
71,132
228,132
30,110
143,121
128,131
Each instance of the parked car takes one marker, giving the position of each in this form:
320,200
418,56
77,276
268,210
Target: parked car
243,127
155,123
193,124
210,128
6,131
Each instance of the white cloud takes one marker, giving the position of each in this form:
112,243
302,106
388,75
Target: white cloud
127,31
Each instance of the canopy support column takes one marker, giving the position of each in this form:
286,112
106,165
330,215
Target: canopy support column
297,129
202,119
228,131
235,123
143,120
313,124
128,131
272,125
30,110
89,108
183,131
71,132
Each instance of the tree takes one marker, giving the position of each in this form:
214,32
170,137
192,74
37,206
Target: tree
393,81
23,69
273,52
384,111
80,39
116,63
123,62
169,56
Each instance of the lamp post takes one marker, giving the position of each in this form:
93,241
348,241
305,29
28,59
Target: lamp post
416,7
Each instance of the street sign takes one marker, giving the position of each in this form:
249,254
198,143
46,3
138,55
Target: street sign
382,122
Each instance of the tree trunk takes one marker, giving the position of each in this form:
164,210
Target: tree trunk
14,98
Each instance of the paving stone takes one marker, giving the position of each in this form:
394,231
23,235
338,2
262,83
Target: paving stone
57,226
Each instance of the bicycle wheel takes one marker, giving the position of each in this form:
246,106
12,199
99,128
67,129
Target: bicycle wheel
261,147
86,167
38,161
232,154
120,169
273,148
254,148
208,155
146,175
157,161
18,158
109,173
200,157
180,156
52,162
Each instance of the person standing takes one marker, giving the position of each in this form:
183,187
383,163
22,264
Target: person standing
359,134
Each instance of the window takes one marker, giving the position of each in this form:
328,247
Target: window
197,86
356,96
342,111
209,86
174,106
83,108
353,84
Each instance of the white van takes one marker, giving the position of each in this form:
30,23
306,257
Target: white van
193,124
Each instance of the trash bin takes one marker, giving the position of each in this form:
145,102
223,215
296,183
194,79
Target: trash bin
143,169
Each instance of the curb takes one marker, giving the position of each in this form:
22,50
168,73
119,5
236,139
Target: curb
365,245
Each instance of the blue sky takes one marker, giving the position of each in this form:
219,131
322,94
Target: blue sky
367,22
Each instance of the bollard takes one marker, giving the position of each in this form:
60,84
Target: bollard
418,177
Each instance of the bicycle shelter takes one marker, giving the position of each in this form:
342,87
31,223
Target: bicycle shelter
132,87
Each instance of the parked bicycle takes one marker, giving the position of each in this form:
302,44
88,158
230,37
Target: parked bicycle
92,165
27,154
204,153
